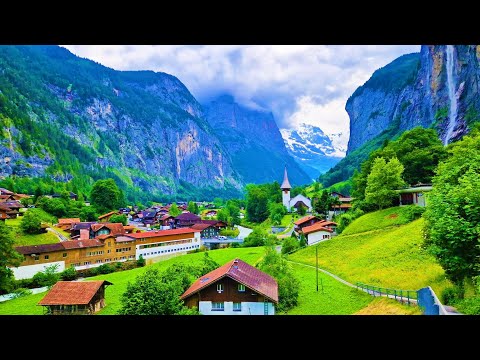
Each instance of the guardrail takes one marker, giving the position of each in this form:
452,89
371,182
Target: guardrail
404,296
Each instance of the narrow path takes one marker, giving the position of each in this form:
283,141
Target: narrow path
370,292
60,236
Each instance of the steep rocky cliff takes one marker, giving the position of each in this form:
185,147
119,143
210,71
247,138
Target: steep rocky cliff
438,88
419,90
254,142
70,118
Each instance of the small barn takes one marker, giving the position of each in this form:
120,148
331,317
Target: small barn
75,297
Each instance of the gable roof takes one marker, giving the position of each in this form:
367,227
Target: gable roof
68,220
83,225
305,219
4,191
39,249
315,227
300,197
78,244
241,272
107,214
187,217
5,197
72,292
156,233
201,226
115,228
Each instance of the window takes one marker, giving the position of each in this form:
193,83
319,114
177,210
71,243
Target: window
108,251
46,257
99,261
237,306
86,263
64,254
217,306
109,244
241,287
36,257
219,288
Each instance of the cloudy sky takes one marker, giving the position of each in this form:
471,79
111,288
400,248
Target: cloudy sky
298,83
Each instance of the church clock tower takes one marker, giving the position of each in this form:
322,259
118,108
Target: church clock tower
286,191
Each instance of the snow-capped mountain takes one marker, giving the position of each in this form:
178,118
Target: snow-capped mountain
315,151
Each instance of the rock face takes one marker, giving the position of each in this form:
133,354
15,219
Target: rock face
77,118
312,149
413,91
254,142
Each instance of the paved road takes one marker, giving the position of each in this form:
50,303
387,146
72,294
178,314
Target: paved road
60,236
244,232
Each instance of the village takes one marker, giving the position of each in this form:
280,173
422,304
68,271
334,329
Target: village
153,234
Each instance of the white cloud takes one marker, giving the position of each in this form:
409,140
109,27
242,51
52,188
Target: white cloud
299,83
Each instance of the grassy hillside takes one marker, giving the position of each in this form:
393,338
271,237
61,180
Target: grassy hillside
384,306
390,257
335,298
378,220
22,239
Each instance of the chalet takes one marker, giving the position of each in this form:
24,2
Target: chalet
414,195
149,217
186,220
211,213
10,208
207,231
235,288
67,223
317,232
4,210
81,230
167,220
83,254
106,229
75,297
106,217
305,221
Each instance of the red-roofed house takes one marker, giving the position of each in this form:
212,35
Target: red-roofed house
305,221
235,288
206,230
66,223
75,297
320,231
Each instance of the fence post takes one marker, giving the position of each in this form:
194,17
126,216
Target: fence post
401,296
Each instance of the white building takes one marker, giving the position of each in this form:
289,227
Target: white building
297,201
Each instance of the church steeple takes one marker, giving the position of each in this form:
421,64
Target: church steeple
285,184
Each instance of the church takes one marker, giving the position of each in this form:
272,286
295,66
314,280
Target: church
297,201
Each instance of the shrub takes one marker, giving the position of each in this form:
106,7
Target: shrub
412,212
24,283
230,233
105,269
346,219
20,292
290,244
48,277
449,296
141,261
69,274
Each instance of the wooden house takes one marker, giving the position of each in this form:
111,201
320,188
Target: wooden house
75,297
415,195
235,288
67,223
106,217
305,221
207,231
186,220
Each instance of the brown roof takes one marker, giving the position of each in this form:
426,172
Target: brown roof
39,249
6,192
123,238
5,197
68,220
201,226
78,244
166,216
241,272
342,206
327,223
305,219
115,228
155,233
187,216
4,207
107,214
21,196
13,204
213,222
315,227
72,292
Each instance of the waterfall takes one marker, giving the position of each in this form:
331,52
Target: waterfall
451,93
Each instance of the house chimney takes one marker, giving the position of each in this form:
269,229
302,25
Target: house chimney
84,234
